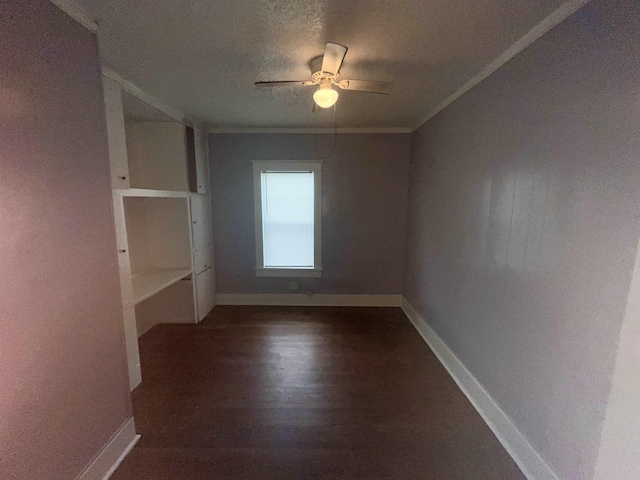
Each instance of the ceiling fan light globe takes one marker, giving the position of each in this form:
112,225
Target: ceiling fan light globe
325,97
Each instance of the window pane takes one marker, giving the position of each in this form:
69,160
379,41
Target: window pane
287,219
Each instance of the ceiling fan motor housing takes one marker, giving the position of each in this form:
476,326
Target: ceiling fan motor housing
317,75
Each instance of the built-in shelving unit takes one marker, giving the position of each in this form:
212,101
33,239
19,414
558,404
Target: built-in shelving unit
162,214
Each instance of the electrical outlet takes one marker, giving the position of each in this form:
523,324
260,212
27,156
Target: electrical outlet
293,285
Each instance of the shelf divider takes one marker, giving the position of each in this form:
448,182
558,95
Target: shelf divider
144,192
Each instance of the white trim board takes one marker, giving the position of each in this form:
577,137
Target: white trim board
78,12
523,453
112,454
314,130
556,17
301,299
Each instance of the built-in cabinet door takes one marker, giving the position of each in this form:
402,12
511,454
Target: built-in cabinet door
205,292
201,222
116,134
157,155
122,244
202,256
201,160
202,237
131,340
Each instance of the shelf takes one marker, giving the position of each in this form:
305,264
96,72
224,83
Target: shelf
149,283
144,192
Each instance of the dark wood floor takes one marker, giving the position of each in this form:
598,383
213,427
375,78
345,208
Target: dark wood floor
299,392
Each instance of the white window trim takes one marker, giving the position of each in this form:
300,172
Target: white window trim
260,166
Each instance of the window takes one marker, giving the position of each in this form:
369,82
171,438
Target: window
287,214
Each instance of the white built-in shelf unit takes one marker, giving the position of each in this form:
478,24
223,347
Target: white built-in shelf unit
162,213
159,243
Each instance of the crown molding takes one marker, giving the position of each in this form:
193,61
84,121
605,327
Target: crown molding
556,17
79,13
315,130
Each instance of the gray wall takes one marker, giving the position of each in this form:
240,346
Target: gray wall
63,374
619,453
523,225
364,198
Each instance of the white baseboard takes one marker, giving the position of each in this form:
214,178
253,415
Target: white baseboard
525,455
301,299
112,454
135,377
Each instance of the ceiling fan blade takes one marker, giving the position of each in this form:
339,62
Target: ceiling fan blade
287,83
370,86
333,56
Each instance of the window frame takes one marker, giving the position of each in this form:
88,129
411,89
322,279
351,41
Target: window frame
260,166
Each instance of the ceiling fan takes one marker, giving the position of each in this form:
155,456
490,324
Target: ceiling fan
325,72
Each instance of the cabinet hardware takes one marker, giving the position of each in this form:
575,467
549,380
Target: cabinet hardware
122,251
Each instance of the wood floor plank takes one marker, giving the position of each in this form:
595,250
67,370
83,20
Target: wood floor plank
304,392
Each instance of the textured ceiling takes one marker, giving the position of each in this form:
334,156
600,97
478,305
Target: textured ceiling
202,57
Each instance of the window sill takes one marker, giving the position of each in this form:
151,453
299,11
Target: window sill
289,272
